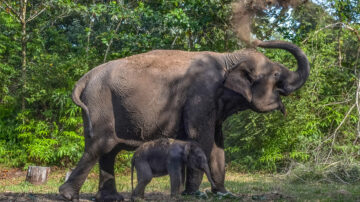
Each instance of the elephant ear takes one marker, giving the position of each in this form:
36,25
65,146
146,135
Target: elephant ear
239,79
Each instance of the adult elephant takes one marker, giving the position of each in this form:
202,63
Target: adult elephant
177,94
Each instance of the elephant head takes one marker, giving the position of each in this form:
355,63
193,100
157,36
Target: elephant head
262,81
195,158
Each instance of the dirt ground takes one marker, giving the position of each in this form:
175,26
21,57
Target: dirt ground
13,176
157,196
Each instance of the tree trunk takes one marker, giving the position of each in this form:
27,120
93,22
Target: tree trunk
23,51
111,40
20,16
91,23
23,64
68,173
37,174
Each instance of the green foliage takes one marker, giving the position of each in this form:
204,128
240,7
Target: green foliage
71,37
68,39
316,128
335,172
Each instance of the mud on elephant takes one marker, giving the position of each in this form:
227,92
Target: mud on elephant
175,94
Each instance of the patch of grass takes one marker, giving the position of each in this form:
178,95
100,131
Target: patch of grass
246,186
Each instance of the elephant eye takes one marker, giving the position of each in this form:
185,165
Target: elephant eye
277,75
248,77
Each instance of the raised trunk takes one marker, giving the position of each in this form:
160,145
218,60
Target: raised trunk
296,79
208,175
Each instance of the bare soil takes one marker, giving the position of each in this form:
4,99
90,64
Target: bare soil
155,196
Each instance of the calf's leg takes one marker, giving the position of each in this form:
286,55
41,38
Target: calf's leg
144,176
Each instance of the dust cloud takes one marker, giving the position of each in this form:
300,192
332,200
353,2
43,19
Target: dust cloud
245,10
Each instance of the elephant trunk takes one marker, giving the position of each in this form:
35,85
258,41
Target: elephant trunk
208,175
295,79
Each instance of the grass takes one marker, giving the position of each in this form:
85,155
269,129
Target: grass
247,186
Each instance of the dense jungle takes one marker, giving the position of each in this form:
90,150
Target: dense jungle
46,46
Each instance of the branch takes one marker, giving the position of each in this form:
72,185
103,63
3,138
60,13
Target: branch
339,48
358,110
173,43
335,103
35,15
341,180
10,7
51,22
337,128
112,38
356,32
12,11
357,94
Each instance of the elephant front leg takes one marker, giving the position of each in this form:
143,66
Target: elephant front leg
193,181
217,168
107,186
199,121
174,169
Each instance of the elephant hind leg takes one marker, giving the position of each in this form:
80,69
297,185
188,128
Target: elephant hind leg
70,189
107,186
93,151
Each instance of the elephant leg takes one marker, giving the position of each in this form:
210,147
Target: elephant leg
193,181
199,122
174,168
217,168
144,176
107,186
183,174
175,181
94,149
70,189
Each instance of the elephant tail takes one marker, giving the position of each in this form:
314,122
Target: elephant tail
76,97
132,143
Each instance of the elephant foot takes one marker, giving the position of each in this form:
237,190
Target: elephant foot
137,198
219,189
197,194
108,196
68,192
189,192
221,195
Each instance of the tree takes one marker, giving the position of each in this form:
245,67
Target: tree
21,12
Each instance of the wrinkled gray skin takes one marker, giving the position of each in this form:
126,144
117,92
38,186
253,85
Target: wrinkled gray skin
167,156
174,94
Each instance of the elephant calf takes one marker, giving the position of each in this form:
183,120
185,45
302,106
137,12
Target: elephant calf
167,156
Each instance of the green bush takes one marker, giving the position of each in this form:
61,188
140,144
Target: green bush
71,37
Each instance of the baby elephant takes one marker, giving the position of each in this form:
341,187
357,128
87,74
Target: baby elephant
167,156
